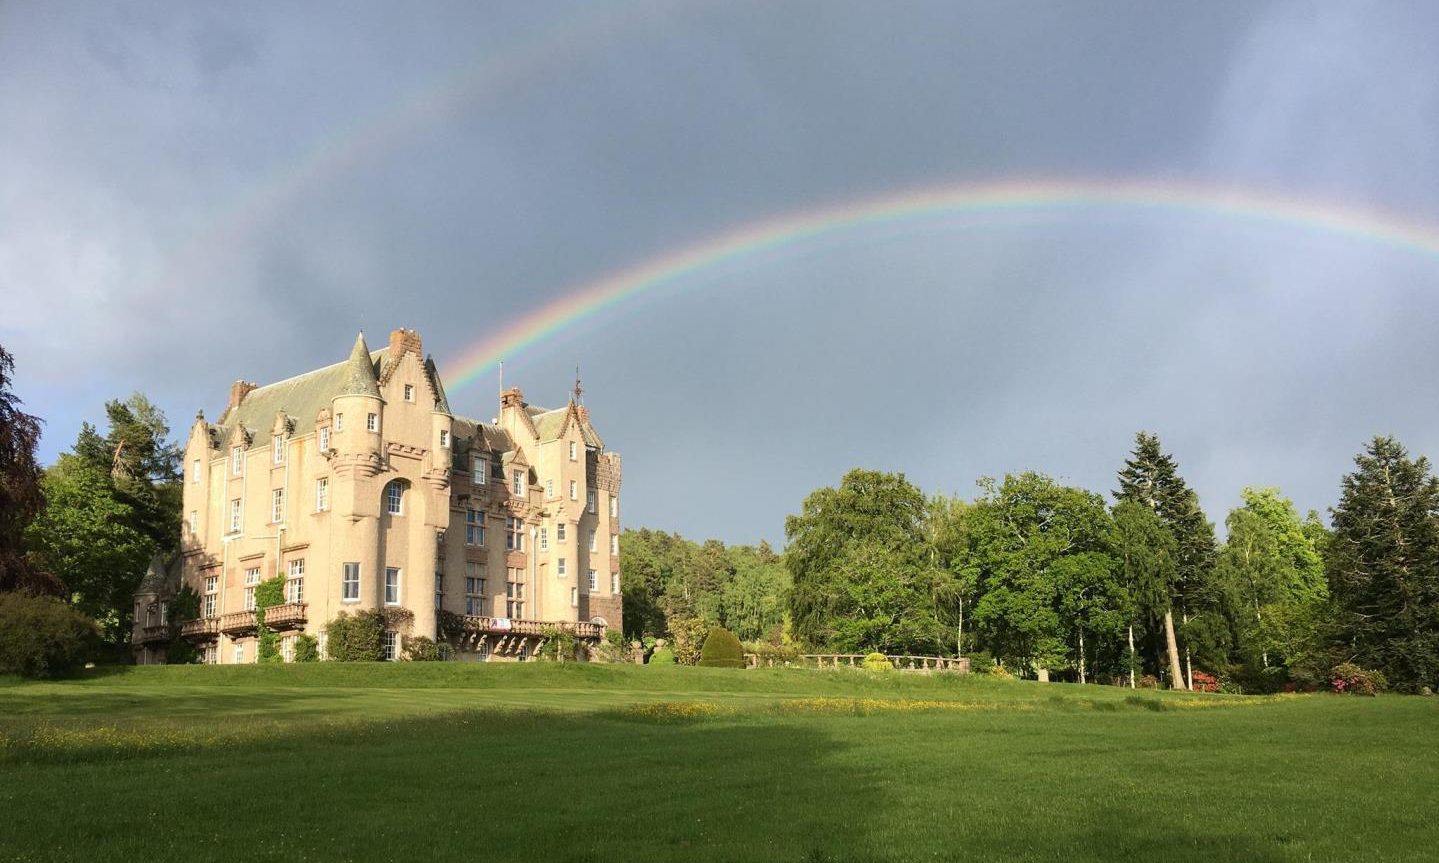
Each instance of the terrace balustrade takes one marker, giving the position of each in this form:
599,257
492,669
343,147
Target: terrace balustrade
901,662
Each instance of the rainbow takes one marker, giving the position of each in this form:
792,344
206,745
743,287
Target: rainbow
983,200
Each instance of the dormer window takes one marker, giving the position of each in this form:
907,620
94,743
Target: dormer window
478,463
409,392
277,446
324,439
518,481
237,460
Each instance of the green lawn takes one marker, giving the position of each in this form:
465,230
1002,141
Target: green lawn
541,762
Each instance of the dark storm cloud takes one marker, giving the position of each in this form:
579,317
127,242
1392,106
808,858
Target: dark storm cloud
191,193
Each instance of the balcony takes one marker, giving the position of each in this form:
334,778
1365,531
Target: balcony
513,626
151,634
203,627
289,615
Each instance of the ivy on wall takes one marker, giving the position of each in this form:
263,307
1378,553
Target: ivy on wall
268,594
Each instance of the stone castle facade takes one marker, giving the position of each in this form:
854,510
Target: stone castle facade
358,485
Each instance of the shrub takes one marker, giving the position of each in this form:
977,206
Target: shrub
1148,681
688,637
40,636
999,671
662,656
1204,682
560,645
357,638
267,645
421,649
307,648
877,662
1348,677
981,663
722,650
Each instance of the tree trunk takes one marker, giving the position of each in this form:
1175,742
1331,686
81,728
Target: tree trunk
1176,674
1259,619
1081,657
1132,657
1188,665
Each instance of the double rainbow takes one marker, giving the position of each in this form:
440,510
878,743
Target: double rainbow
594,298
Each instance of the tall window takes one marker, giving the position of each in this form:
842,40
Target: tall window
614,543
439,591
339,422
324,438
235,515
560,532
615,583
277,448
287,648
560,571
514,534
544,539
322,494
517,481
549,488
389,645
590,500
409,392
474,589
295,582
195,471
515,594
394,497
474,527
237,460
212,590
574,451
479,466
574,490
239,653
574,596
350,583
372,422
593,546
592,581
277,506
194,521
252,580
392,585
614,507
444,439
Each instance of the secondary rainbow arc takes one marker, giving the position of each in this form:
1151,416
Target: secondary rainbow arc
587,300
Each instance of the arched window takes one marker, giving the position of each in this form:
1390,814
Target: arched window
395,497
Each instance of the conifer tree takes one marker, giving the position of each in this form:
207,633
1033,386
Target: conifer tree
1151,477
1383,565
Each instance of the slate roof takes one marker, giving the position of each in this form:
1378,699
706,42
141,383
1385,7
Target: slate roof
162,578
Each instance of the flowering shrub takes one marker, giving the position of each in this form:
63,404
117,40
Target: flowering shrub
1348,677
1204,682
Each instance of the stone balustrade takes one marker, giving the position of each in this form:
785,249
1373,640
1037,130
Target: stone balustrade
901,662
514,626
200,627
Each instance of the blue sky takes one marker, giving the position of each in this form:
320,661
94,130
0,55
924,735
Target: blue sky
192,193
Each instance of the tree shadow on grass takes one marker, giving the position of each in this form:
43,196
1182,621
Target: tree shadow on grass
474,785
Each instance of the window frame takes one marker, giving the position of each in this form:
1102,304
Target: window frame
372,423
322,494
346,582
277,506
394,497
392,585
277,448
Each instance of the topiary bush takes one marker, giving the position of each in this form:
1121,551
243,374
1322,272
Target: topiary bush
662,656
877,662
722,650
40,636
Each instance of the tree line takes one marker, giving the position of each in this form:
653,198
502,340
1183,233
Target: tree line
1046,579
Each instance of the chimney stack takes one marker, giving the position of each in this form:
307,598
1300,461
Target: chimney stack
583,412
238,391
403,340
512,398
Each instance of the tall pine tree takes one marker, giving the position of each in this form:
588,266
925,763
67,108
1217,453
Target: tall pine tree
1151,477
1383,565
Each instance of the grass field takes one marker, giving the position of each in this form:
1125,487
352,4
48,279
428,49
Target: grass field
541,762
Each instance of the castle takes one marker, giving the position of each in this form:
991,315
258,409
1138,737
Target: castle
358,485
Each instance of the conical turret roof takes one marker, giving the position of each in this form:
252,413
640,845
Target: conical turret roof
359,379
